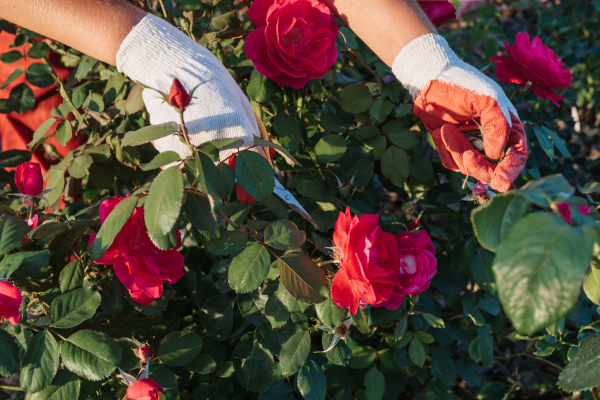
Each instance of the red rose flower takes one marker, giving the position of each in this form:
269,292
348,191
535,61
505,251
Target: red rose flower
10,301
565,212
533,62
138,263
438,11
294,41
178,96
28,178
417,266
145,352
369,262
144,389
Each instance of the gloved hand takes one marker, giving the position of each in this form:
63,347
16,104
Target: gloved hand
449,94
154,53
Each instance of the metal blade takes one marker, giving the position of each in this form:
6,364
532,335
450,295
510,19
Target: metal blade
291,201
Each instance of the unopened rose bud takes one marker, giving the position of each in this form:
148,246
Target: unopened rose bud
178,96
347,190
28,178
413,225
145,352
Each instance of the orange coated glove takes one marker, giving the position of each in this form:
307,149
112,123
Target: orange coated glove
449,96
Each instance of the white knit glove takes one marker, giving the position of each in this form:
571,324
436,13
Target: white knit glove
449,94
153,54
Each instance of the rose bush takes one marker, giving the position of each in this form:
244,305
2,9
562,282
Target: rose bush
415,281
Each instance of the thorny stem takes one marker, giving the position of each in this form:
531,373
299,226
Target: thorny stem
593,394
328,262
515,91
212,10
184,129
164,10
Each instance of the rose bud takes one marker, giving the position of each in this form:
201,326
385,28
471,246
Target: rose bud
178,96
28,178
10,301
413,225
144,389
145,352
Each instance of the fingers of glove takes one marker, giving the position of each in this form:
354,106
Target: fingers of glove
514,160
478,166
496,129
456,144
445,155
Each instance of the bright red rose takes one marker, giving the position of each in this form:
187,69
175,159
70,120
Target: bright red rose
145,352
144,389
438,11
294,41
369,262
178,96
138,263
28,178
417,266
533,62
10,301
565,211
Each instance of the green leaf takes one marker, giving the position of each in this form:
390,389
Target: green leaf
558,142
111,227
203,364
281,150
260,88
41,131
355,98
74,307
249,268
12,158
29,263
493,220
400,329
403,110
481,269
416,352
227,243
288,131
294,352
130,358
375,384
40,363
39,75
284,235
200,214
228,20
253,363
206,177
485,344
472,312
216,316
135,101
403,138
22,96
78,168
179,348
276,312
551,187
149,133
71,277
380,109
330,148
14,75
163,204
115,87
90,354
330,314
591,285
583,372
11,56
395,165
302,278
162,159
12,231
421,169
311,381
590,187
9,362
442,366
84,67
365,132
64,132
363,357
433,320
539,268
334,123
65,386
254,174
357,163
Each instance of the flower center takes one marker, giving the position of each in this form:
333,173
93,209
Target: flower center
408,264
297,34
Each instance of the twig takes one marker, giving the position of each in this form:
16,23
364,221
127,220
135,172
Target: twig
212,10
515,91
11,387
162,5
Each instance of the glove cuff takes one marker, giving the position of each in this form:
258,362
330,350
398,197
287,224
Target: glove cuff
423,60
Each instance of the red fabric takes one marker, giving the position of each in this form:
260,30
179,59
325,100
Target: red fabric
16,130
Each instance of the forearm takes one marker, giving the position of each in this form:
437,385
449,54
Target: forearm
94,27
386,26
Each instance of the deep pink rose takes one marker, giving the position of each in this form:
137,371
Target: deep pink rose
145,352
565,211
138,263
28,178
144,389
294,41
10,301
533,62
438,11
480,189
369,262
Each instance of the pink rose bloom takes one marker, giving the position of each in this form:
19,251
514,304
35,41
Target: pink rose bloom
369,262
294,41
479,189
565,211
144,389
138,263
145,352
533,62
438,11
10,301
28,178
